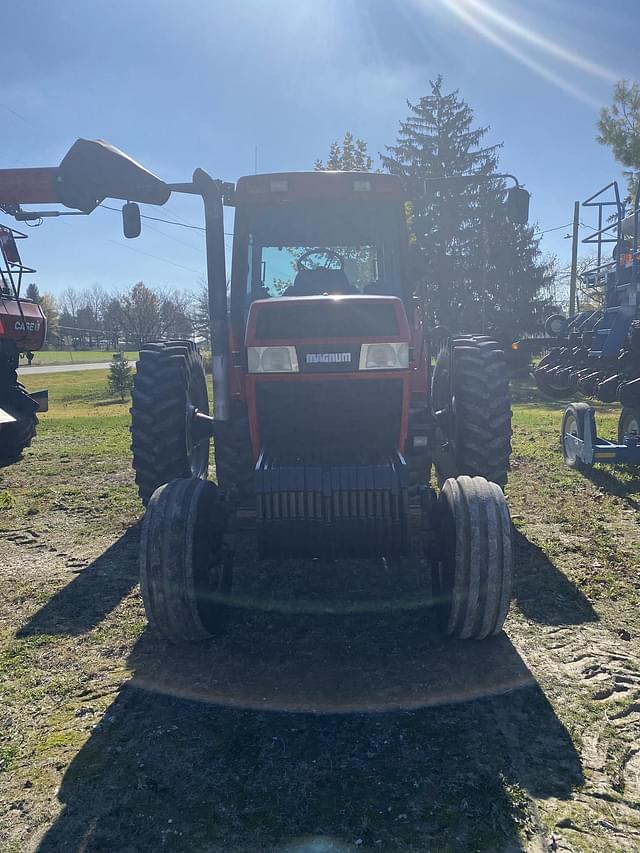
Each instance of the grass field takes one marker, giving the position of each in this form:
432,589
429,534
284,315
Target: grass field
55,357
362,731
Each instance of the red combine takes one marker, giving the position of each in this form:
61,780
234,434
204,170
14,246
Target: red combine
327,414
23,328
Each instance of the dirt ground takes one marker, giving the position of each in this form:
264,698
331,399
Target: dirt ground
331,716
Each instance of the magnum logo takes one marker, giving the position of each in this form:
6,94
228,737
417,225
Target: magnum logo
328,358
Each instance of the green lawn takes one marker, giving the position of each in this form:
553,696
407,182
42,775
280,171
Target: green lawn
101,741
54,357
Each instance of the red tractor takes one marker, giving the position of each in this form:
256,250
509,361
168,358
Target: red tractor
23,329
327,414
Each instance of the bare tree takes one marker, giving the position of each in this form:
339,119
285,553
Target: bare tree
70,303
140,314
93,299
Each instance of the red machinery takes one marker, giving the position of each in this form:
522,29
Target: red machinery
23,328
327,418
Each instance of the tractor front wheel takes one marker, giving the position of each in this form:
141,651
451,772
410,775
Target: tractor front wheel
474,409
183,568
234,460
169,384
472,581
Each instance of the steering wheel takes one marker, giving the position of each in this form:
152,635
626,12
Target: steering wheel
330,256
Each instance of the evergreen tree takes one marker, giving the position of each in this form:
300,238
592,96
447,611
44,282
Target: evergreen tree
479,271
120,379
351,156
32,292
619,127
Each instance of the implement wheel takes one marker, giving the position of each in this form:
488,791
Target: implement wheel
479,403
183,569
169,383
575,422
628,423
473,577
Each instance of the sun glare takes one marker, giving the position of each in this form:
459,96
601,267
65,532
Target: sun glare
522,42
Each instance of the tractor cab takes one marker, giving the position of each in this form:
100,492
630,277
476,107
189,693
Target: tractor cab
309,233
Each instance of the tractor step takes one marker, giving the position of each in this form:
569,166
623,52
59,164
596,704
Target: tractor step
319,509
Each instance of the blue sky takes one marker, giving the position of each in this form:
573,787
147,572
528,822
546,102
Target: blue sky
185,84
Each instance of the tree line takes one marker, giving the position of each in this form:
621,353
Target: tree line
96,317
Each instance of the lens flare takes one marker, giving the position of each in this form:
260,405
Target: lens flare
539,41
519,41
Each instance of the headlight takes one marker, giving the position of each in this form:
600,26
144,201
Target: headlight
273,360
384,356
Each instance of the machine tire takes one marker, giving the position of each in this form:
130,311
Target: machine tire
234,459
16,437
628,422
574,422
182,560
481,440
474,558
170,377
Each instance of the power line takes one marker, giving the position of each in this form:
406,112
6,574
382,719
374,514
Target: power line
557,228
149,255
167,221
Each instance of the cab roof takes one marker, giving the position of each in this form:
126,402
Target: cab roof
298,186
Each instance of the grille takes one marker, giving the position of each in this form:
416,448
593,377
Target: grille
350,417
330,319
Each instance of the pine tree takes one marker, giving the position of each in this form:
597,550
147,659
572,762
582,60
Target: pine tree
120,380
32,292
480,272
619,127
351,156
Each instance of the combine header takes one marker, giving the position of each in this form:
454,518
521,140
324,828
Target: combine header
327,416
597,352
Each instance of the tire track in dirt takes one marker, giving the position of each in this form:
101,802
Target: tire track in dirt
591,674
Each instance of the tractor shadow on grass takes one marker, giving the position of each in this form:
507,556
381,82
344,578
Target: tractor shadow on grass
364,731
544,593
92,594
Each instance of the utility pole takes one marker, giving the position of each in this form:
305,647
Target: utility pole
574,259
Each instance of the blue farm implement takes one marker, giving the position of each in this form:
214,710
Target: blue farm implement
596,352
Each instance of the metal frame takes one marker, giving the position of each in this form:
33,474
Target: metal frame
596,449
12,268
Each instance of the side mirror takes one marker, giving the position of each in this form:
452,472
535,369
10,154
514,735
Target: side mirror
131,224
518,205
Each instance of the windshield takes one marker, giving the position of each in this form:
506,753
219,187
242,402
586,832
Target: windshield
348,248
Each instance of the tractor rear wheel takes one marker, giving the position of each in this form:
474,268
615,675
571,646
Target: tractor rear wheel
183,569
169,383
478,428
474,558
